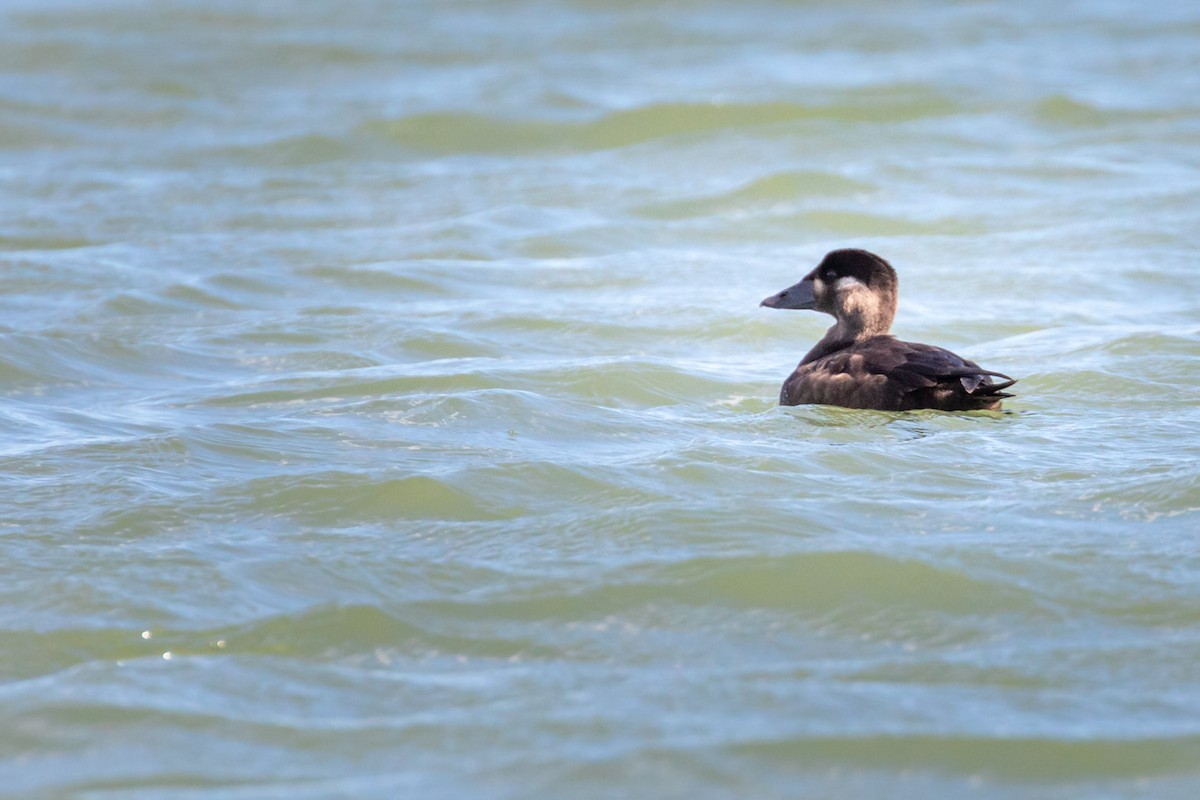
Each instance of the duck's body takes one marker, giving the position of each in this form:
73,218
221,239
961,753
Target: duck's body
890,375
858,364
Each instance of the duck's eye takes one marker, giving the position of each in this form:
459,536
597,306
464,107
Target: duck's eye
829,276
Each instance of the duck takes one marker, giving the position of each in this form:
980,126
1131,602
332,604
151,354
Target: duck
859,364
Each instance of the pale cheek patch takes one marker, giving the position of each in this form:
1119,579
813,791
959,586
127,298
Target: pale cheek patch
854,296
847,283
819,289
855,302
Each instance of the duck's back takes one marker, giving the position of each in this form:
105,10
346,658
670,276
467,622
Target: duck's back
887,374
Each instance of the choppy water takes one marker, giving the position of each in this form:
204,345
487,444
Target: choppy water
386,409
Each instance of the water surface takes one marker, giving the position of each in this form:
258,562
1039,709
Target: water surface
385,408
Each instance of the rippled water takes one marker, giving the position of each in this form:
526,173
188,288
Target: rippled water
386,408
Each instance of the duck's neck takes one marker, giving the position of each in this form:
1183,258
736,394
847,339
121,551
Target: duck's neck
854,324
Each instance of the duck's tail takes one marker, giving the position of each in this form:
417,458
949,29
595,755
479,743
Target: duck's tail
976,383
981,392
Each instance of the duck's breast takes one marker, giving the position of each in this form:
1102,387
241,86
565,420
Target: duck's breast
847,378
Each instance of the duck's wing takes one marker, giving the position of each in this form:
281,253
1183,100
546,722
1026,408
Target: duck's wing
937,378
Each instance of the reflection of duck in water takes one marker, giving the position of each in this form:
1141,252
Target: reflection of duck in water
857,364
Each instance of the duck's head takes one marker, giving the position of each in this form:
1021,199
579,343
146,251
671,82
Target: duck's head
858,288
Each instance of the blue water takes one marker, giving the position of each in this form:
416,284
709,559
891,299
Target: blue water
386,409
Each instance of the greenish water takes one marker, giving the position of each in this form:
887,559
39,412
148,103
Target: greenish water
385,408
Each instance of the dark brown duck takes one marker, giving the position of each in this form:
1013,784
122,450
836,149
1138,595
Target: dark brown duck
858,364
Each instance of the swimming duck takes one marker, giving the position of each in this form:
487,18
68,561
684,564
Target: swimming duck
858,364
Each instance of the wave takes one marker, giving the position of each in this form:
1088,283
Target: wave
462,132
763,192
1003,757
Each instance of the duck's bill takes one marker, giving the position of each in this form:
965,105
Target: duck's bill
798,296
